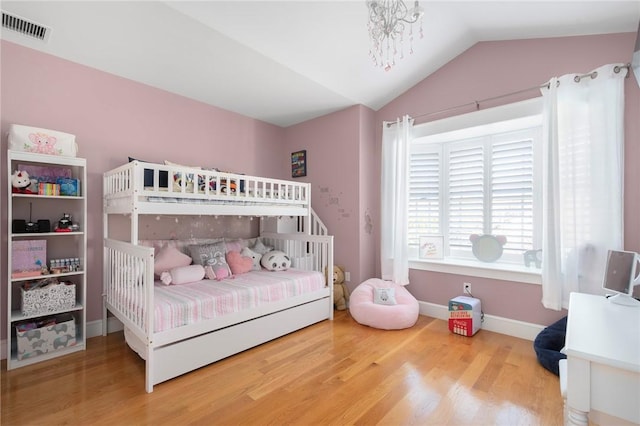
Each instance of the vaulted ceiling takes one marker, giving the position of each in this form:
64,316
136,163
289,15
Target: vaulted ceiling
285,62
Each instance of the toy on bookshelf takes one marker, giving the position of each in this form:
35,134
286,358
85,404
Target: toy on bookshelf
65,224
20,182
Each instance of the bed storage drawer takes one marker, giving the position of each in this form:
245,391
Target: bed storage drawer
207,348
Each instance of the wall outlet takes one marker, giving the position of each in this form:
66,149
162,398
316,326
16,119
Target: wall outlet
347,276
466,288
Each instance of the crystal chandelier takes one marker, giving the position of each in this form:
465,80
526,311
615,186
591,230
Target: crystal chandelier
388,20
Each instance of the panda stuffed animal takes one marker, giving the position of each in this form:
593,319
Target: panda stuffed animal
276,260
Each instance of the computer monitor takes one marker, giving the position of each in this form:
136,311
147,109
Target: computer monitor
620,276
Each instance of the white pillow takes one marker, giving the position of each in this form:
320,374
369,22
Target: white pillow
183,275
170,163
384,296
255,257
169,258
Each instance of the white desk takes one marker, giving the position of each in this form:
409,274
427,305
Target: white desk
603,359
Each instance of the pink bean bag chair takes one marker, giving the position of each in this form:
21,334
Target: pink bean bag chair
376,308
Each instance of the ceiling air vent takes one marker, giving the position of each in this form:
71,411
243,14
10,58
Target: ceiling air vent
25,27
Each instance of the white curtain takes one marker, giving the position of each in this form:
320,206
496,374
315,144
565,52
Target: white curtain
394,247
583,181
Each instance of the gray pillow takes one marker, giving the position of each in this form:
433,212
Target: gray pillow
201,253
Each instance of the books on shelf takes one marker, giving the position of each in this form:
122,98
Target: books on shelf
28,258
46,188
63,186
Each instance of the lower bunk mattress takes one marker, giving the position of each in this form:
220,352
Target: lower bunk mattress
180,305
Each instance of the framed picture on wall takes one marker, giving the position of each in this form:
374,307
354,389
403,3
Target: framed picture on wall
431,247
299,163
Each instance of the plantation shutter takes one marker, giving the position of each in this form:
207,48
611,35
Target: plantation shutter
466,192
512,191
424,193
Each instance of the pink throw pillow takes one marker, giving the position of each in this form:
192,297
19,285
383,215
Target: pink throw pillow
239,264
183,275
169,258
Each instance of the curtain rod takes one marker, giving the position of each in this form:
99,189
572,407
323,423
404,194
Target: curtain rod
577,79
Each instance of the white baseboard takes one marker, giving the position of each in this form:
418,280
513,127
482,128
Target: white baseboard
515,328
94,328
510,327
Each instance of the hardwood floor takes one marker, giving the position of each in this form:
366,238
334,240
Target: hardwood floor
332,373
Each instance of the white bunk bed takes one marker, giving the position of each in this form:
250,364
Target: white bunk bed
138,188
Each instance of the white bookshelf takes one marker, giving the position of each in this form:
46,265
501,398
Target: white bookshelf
59,245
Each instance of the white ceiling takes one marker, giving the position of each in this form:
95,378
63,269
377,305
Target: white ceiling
285,62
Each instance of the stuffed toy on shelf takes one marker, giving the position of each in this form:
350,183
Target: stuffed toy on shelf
20,182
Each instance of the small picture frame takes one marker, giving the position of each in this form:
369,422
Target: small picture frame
431,247
299,163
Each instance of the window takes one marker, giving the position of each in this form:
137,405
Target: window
477,179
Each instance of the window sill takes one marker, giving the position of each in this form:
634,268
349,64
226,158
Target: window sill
472,268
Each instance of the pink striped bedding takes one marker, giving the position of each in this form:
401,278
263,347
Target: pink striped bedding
179,305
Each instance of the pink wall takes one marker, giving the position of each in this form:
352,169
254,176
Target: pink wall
332,144
491,69
114,118
369,196
342,157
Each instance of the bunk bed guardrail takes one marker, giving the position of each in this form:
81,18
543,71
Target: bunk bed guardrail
159,180
309,252
128,280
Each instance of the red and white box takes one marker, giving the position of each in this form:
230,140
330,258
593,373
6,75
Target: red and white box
465,315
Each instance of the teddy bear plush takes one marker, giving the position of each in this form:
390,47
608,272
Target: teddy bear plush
340,291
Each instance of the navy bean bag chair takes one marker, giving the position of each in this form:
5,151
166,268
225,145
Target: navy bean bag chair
548,344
